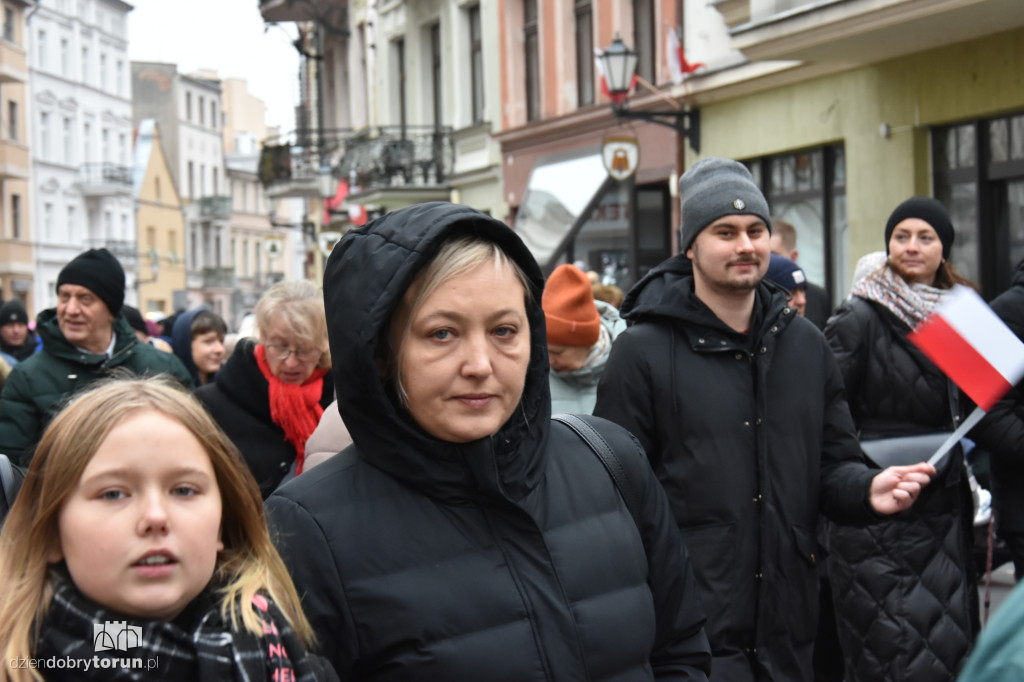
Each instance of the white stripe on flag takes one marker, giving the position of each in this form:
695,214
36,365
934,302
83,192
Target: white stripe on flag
966,312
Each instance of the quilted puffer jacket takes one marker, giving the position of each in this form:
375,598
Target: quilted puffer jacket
905,597
507,558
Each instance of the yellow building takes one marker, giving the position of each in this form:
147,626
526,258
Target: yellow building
16,257
161,225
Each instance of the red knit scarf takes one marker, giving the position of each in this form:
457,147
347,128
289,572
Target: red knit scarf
294,407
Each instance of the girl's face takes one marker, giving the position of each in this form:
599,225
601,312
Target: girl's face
141,531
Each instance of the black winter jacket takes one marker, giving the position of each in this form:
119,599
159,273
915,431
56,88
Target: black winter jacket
36,387
512,557
1003,427
750,436
239,401
905,598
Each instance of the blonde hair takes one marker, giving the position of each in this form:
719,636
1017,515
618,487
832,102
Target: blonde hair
456,257
248,564
300,304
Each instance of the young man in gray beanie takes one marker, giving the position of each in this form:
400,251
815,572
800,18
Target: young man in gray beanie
739,405
84,338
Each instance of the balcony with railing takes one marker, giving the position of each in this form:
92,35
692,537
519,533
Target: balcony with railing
104,179
215,208
124,250
859,31
219,278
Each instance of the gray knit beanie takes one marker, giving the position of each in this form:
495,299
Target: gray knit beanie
715,187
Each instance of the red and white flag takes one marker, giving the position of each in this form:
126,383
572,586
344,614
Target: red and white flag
619,98
678,67
975,349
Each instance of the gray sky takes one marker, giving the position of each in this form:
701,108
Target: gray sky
226,36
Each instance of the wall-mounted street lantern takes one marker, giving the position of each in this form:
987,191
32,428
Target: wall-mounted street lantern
619,65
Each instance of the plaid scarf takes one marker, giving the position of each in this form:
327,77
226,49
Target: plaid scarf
208,650
909,302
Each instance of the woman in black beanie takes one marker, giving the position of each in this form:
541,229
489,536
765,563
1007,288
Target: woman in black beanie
905,596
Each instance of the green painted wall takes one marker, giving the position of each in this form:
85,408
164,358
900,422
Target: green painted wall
960,82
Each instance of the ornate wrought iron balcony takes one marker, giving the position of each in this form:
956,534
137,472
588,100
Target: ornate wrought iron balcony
388,157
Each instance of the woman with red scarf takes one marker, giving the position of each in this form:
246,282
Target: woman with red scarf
269,395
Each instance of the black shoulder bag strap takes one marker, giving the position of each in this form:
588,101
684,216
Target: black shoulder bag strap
608,458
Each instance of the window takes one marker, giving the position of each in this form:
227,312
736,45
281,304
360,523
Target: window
808,189
44,135
193,251
435,73
156,188
398,53
86,143
65,59
42,49
120,77
108,224
645,39
122,149
584,53
245,258
476,65
125,233
103,71
12,120
16,216
188,106
85,65
216,181
105,142
202,179
202,114
978,171
68,153
70,227
8,24
172,244
213,115
245,197
48,221
191,180
150,238
532,60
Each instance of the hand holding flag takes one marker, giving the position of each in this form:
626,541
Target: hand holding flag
975,349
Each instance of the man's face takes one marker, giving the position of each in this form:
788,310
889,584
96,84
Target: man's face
730,256
14,333
84,320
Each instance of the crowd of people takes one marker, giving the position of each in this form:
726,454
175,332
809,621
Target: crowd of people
445,465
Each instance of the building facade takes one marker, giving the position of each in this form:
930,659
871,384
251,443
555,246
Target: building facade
17,268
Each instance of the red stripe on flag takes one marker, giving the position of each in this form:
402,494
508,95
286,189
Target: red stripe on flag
960,361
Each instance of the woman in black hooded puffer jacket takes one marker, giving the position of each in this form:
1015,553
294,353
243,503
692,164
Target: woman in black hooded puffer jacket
905,594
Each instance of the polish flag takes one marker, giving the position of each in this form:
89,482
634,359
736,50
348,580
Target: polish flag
356,213
975,349
678,67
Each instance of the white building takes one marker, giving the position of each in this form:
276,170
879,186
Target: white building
80,114
188,110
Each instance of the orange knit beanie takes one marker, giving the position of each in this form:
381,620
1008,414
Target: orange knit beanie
568,302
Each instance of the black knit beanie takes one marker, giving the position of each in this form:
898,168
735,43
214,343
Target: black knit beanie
98,271
928,210
11,312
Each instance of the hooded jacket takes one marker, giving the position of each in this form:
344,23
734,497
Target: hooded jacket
181,343
575,392
239,401
750,436
37,385
905,598
512,557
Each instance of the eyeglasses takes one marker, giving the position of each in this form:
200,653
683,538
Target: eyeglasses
282,353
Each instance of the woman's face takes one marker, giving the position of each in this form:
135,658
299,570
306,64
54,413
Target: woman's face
464,359
141,531
291,359
915,251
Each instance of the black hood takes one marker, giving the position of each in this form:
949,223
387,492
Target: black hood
666,292
365,278
1017,278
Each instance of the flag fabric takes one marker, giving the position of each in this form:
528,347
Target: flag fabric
335,204
974,348
678,67
619,98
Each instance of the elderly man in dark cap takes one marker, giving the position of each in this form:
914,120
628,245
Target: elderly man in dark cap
738,402
84,338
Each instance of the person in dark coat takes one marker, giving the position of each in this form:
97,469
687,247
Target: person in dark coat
270,394
85,338
904,589
464,535
1003,430
16,339
818,304
739,405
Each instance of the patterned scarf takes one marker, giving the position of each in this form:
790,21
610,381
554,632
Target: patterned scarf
87,642
909,302
294,407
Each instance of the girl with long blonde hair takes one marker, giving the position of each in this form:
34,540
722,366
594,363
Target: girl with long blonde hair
138,549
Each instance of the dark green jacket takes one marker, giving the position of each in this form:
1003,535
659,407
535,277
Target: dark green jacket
36,386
